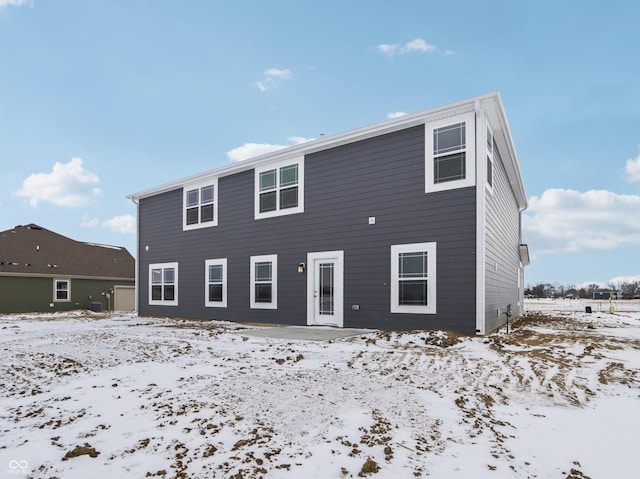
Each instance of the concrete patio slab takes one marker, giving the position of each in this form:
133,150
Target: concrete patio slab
305,333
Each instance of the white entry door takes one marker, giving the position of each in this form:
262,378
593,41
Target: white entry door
325,287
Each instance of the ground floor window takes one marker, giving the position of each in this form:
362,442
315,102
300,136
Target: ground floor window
413,278
62,290
216,283
163,284
264,282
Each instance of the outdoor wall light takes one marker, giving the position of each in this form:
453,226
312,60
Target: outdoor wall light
300,267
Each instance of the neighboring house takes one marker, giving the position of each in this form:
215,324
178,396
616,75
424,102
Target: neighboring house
43,271
412,223
607,294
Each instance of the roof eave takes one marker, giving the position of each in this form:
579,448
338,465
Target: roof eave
339,139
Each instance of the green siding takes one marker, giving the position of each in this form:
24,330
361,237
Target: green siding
25,295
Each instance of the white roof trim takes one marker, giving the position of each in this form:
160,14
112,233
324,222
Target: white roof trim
358,134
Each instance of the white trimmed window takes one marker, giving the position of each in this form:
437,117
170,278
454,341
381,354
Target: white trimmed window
215,287
62,290
489,165
264,282
200,205
413,278
163,284
450,153
279,189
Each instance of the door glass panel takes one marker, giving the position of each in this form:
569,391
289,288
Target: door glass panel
325,292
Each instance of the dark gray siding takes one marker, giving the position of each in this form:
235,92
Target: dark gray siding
344,186
502,240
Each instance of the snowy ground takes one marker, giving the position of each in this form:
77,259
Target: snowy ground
88,395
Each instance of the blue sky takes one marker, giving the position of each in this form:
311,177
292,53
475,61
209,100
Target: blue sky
100,99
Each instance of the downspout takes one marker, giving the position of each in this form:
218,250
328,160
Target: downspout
480,221
136,202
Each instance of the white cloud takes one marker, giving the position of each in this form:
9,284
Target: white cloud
68,184
570,221
278,73
251,150
272,77
297,140
395,114
418,45
89,222
125,224
14,3
387,48
633,168
625,279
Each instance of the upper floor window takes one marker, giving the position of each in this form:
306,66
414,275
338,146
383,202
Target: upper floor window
449,153
450,159
61,290
163,284
200,205
279,189
490,146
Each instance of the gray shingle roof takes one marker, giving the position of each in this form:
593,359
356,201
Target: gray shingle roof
31,249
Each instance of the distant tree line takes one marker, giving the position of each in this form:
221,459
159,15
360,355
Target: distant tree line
628,290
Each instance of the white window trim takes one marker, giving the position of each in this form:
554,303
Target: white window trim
215,262
55,290
273,258
278,211
192,186
489,156
470,153
163,266
430,248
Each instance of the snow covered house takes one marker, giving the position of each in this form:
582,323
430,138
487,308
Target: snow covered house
43,271
411,223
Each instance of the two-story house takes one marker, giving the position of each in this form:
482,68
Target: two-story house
411,223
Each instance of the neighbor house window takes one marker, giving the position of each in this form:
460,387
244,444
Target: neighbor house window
490,146
450,159
200,205
163,284
413,278
62,290
279,189
264,282
215,271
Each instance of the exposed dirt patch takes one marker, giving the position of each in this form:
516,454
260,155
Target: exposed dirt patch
78,451
369,467
577,474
